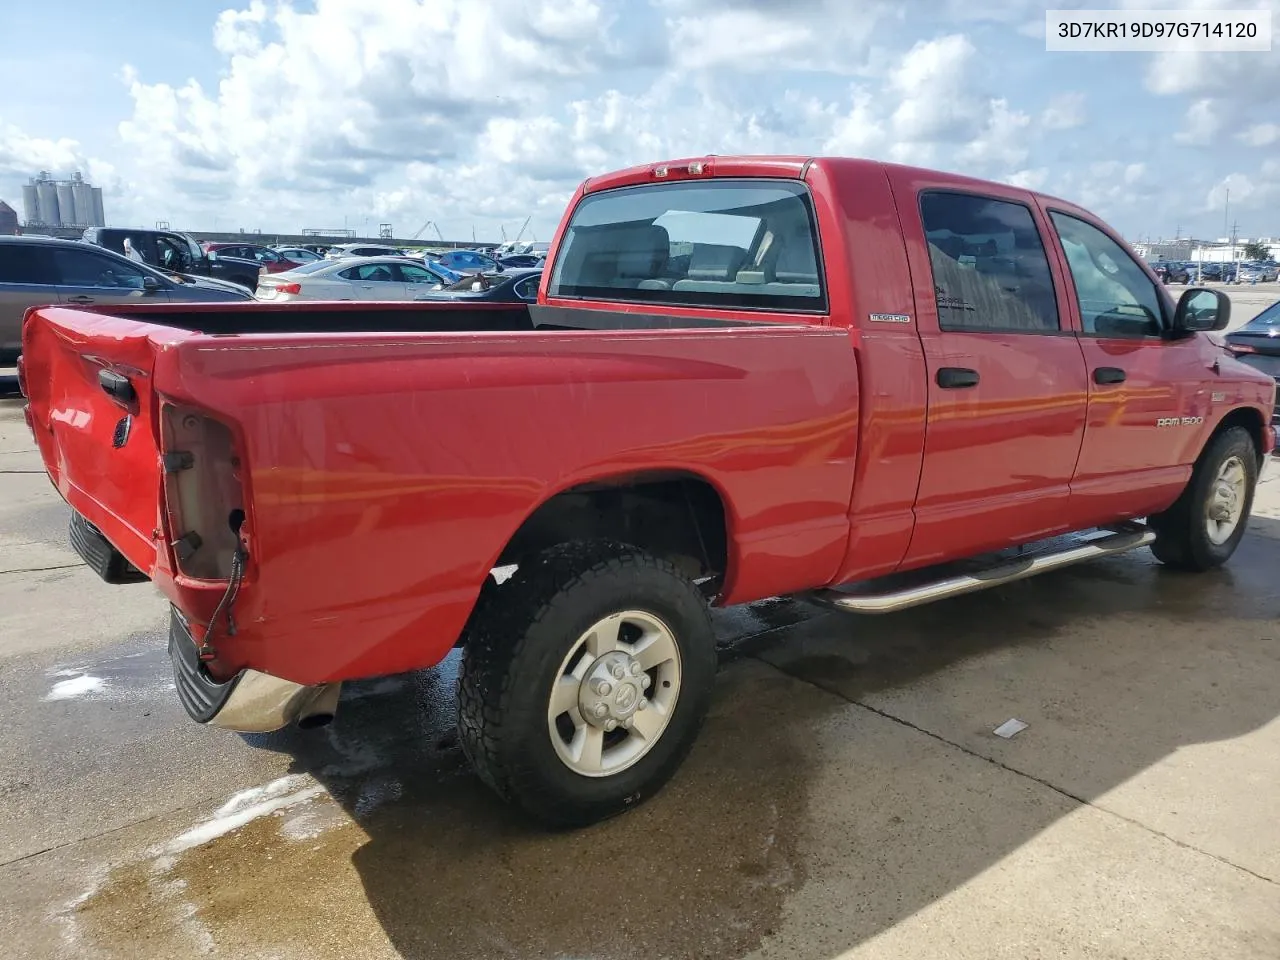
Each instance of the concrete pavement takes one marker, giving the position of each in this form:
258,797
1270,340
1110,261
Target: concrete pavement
847,798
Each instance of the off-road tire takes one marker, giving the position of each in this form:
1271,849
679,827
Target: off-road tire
515,644
1182,538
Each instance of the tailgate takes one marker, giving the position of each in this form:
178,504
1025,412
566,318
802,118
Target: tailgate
91,407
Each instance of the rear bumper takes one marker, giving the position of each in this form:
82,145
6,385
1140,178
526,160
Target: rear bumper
251,701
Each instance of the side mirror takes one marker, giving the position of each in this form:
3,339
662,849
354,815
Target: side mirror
1200,310
150,285
212,255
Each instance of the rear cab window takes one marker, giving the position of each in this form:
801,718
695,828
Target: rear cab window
741,244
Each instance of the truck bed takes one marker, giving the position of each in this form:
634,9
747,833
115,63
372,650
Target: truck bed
221,319
383,464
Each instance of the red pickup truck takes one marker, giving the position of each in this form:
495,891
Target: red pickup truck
743,378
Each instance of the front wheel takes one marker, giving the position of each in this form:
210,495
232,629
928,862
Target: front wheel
585,680
1205,525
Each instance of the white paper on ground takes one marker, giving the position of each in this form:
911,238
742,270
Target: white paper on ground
1010,728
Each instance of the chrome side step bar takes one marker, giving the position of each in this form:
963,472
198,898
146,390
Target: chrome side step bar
1120,539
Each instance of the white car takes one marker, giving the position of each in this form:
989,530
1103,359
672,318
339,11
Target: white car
348,250
362,278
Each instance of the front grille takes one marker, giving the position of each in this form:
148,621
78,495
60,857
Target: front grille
201,696
102,558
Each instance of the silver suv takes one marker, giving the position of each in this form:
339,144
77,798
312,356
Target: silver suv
36,271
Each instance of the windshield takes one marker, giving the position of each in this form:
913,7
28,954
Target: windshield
1267,321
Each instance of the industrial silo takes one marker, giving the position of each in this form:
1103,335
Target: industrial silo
83,196
99,218
66,204
47,194
31,203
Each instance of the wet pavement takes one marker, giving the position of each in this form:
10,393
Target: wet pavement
846,799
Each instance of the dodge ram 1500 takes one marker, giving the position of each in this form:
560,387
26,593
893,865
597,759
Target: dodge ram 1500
742,378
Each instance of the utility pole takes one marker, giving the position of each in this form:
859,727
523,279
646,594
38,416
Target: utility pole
1235,267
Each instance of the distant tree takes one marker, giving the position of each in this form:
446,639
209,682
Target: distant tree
1253,250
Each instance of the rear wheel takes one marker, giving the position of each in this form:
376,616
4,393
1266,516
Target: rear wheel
1203,528
585,680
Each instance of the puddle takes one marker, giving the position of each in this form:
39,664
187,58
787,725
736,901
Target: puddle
76,687
421,861
130,677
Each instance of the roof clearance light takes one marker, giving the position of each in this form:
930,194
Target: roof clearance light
695,167
660,171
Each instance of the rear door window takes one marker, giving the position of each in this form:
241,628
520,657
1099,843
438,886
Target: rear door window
747,244
27,264
370,273
990,270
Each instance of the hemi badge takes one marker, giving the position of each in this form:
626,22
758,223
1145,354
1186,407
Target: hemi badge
889,318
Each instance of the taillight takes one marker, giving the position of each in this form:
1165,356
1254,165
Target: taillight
204,495
287,287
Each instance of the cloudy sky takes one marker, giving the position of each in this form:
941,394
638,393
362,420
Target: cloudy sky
479,113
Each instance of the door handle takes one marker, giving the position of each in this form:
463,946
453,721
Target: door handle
956,378
80,299
1106,375
117,386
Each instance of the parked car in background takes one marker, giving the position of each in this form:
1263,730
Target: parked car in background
1257,272
362,278
518,285
1257,343
177,253
319,249
347,250
271,260
1170,271
522,260
35,271
298,254
470,261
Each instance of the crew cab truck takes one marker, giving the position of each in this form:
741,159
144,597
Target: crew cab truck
742,378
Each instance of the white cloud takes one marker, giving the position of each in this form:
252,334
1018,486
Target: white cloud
1261,135
1032,179
756,36
746,39
1203,73
1257,190
1064,112
1202,123
464,112
23,155
860,132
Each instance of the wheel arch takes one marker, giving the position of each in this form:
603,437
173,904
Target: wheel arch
1248,418
676,514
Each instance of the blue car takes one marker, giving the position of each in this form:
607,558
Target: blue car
467,262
